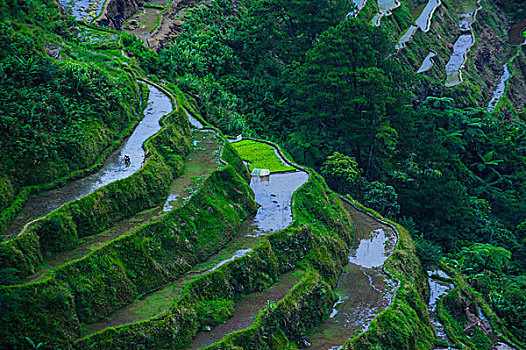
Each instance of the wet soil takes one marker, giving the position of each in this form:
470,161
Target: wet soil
247,309
274,196
363,289
142,23
202,159
114,169
438,289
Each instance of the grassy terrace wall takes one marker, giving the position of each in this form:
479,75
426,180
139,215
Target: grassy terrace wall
405,323
90,288
317,239
451,313
61,229
11,203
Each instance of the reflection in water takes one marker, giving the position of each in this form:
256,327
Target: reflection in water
114,169
82,9
371,251
427,64
467,13
363,289
499,90
437,290
273,194
424,20
406,37
457,59
384,9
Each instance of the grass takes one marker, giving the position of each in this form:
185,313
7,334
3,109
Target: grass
260,155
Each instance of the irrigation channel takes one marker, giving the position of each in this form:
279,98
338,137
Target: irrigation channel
159,104
274,196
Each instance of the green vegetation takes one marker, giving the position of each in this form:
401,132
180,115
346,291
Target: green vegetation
260,155
316,242
125,268
331,91
63,107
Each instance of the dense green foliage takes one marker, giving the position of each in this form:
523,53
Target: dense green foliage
452,175
317,241
333,93
61,229
63,108
129,266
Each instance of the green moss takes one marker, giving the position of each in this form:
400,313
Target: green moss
260,155
136,263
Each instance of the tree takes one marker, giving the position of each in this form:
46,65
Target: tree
480,257
348,93
382,198
341,172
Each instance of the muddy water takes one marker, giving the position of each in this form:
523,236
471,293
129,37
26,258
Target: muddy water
247,309
499,90
142,24
82,9
363,289
273,194
406,37
424,20
437,290
427,64
114,169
